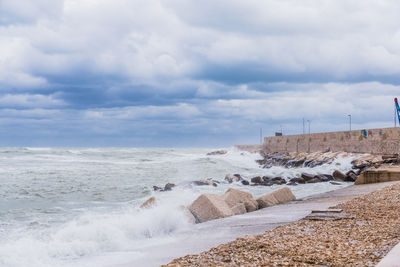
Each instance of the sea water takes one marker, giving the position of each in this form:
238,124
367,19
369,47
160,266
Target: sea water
80,207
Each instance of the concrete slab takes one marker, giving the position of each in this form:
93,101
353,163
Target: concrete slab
385,173
392,259
206,235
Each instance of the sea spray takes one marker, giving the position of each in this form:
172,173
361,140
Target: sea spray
80,207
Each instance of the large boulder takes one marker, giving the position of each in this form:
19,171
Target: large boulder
298,180
267,201
205,182
233,197
314,180
168,187
351,176
188,215
338,175
232,178
257,180
238,209
278,180
209,207
307,176
324,177
284,195
151,202
245,182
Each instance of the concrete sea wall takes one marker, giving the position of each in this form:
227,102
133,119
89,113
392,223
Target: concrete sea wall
375,141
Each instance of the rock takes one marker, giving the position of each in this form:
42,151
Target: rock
267,200
361,166
238,176
307,163
392,156
269,183
314,180
189,216
328,176
324,177
284,195
278,180
335,183
266,178
209,207
217,152
257,180
233,197
245,182
298,180
168,187
307,176
338,175
351,176
205,182
201,182
291,183
151,202
232,178
239,209
156,188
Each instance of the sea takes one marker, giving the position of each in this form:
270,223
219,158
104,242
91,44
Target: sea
80,206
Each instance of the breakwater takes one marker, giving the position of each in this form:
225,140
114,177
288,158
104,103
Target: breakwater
373,141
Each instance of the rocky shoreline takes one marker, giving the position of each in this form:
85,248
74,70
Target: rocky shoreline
297,160
364,230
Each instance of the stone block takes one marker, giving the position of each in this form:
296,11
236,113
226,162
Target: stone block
267,200
338,175
239,208
188,215
209,207
233,197
151,202
284,195
384,174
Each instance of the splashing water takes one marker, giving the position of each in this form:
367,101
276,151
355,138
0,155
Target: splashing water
79,207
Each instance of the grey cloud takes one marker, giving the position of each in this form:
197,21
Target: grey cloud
29,11
194,70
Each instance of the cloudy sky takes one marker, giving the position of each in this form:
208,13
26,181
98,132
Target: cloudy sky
205,73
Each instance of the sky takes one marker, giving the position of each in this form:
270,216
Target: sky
210,73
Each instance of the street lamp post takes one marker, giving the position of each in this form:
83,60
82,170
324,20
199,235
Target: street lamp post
309,126
349,120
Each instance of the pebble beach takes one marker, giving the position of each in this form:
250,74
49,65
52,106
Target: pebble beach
367,232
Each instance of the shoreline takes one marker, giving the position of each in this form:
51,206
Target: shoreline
205,236
299,241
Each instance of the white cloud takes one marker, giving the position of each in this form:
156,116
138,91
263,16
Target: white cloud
30,101
28,11
175,112
174,57
148,41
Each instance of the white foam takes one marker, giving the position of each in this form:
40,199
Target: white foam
98,192
93,235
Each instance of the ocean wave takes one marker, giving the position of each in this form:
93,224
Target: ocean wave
91,235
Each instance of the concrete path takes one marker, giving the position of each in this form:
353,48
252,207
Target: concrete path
392,259
206,235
